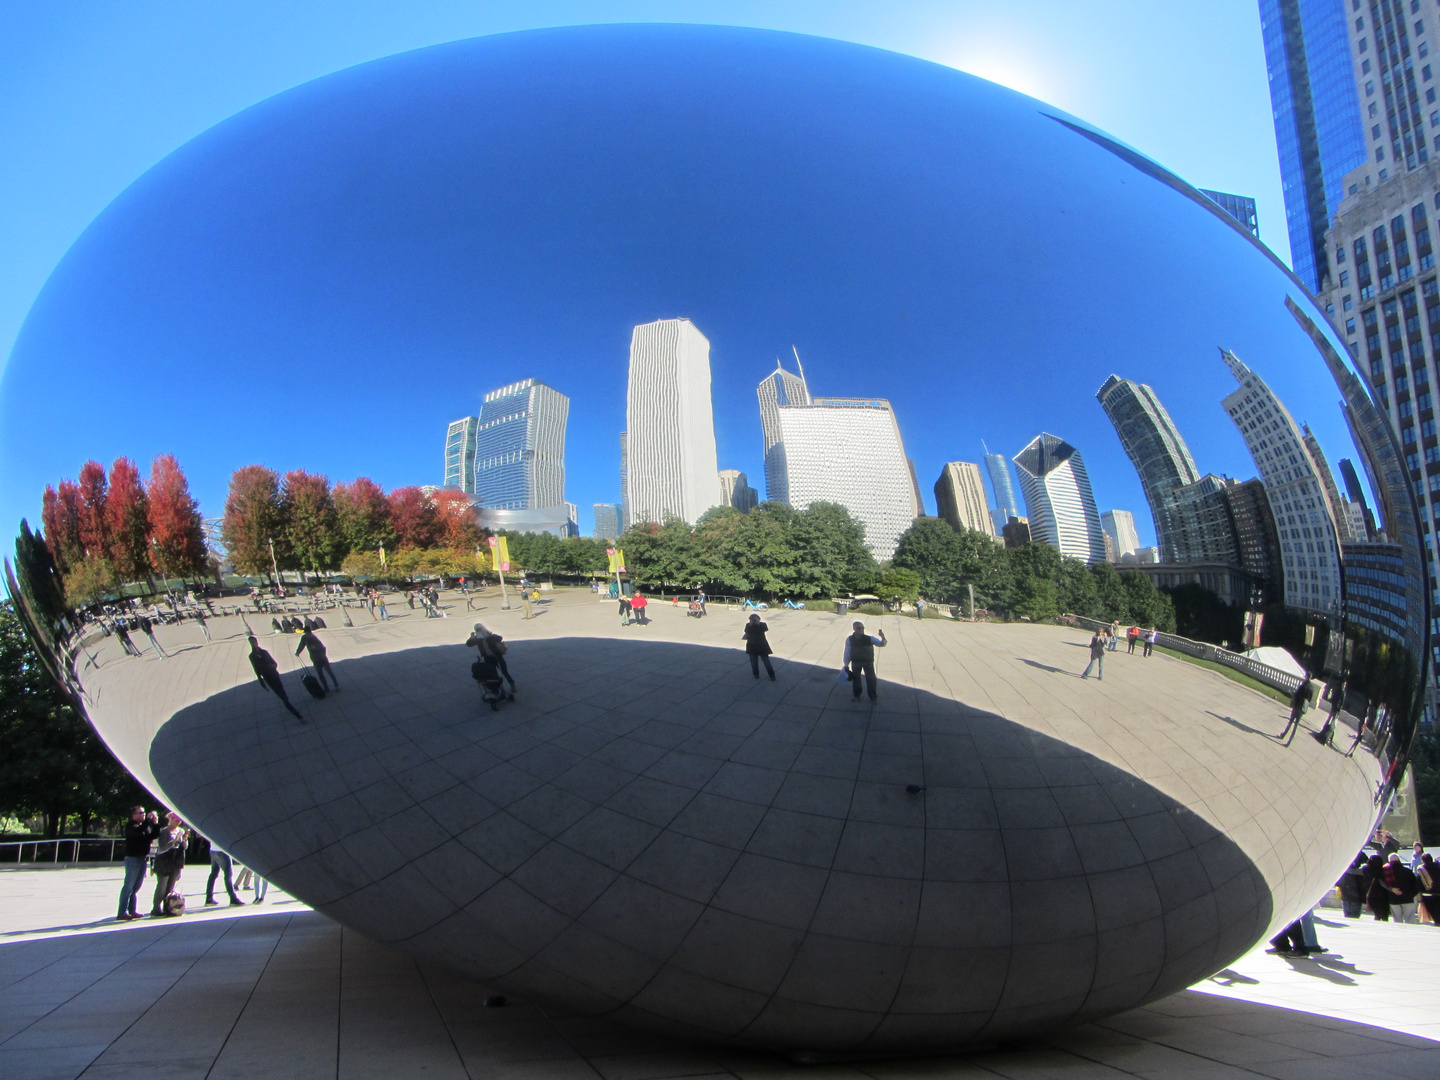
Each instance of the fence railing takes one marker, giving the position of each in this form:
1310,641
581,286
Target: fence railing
69,849
1272,677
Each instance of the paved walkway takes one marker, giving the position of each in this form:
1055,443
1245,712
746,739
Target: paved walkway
288,993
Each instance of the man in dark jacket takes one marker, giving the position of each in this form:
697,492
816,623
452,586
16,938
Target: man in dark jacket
318,659
860,658
268,672
140,832
1403,885
1352,885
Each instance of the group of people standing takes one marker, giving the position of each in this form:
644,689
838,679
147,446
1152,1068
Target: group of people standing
171,841
1107,639
633,607
1390,886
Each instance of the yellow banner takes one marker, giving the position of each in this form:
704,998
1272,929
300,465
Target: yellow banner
617,560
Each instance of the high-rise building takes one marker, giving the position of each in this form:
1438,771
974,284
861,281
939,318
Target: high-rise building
1058,498
1359,505
1239,207
960,498
1119,527
915,485
607,521
1006,503
460,454
736,491
1016,532
1206,533
1309,543
1256,539
670,425
1339,508
520,447
778,390
1318,122
849,451
624,481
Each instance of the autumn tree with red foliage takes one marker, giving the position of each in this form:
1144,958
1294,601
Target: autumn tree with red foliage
127,520
311,526
458,525
94,534
363,515
413,517
176,528
253,519
60,514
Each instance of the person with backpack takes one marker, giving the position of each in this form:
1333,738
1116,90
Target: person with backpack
860,659
169,864
493,644
318,658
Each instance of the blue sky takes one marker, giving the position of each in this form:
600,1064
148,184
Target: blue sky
93,94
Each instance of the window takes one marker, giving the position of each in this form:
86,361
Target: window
1349,323
1369,87
1339,254
1430,96
1374,109
1384,173
1401,383
1364,67
1363,43
1412,461
1344,277
1380,156
1423,402
1425,72
1424,49
1428,429
1374,131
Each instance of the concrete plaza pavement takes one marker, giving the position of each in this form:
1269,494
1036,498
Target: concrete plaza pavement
282,992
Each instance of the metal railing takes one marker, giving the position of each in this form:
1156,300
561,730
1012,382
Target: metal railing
1273,677
14,851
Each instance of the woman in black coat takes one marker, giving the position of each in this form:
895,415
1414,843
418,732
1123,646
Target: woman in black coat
756,647
1377,892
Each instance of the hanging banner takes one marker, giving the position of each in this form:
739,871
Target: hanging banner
1253,621
382,556
617,560
502,553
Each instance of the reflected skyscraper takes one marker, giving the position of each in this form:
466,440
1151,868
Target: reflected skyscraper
607,521
460,454
778,390
1157,451
520,447
1239,207
960,498
670,425
1309,547
849,451
1339,508
1058,498
1006,504
736,491
1119,526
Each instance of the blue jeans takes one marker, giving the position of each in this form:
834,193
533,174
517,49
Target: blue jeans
1096,661
220,864
134,875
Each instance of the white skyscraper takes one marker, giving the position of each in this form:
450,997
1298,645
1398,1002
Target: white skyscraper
670,467
1119,526
1058,499
1308,549
777,390
960,498
849,451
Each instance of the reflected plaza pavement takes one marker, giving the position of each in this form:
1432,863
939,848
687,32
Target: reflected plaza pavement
650,835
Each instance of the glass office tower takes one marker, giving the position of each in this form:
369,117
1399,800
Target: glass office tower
778,390
460,454
1007,505
1318,126
520,447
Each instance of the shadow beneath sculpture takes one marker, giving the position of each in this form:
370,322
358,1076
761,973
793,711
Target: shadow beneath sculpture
650,835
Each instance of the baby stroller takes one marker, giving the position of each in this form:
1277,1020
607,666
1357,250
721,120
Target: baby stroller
486,672
696,609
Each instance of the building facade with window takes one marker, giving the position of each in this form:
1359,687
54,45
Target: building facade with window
1309,543
960,498
520,447
735,490
460,454
1059,500
778,390
1239,207
670,468
1006,504
607,521
1119,529
1317,112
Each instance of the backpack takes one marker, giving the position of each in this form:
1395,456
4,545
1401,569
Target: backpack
497,645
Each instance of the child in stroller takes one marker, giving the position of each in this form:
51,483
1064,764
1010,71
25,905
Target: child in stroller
486,672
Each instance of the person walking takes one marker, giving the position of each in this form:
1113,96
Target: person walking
920,607
381,608
1114,641
124,635
638,603
757,647
140,832
220,863
1151,637
200,618
1337,698
860,659
1299,703
1097,656
148,629
268,672
169,861
318,658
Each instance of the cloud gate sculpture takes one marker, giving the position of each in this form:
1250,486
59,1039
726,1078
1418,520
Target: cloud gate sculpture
995,847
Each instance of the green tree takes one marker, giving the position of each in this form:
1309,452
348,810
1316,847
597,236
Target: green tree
53,765
312,530
898,585
253,519
1147,605
831,556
